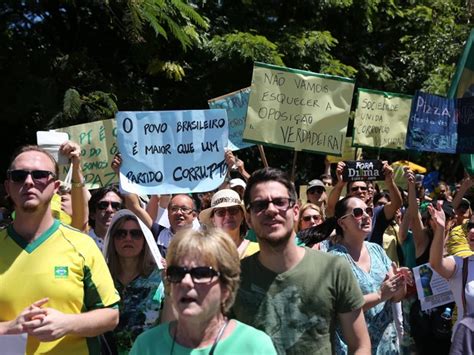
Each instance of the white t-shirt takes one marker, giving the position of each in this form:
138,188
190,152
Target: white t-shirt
455,283
99,241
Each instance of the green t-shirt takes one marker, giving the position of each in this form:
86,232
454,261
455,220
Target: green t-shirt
298,308
243,340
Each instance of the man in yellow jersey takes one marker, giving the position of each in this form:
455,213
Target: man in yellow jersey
54,283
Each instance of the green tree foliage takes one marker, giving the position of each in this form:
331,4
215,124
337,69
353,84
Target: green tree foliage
68,62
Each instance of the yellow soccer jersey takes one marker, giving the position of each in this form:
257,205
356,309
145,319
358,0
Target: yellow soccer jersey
62,264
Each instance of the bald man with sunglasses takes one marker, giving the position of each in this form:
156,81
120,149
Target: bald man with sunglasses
54,283
382,215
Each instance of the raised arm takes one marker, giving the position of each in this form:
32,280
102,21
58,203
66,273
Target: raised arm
466,184
79,194
235,163
445,266
152,207
395,197
406,220
419,236
132,201
335,193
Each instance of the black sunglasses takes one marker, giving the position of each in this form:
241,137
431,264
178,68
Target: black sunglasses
102,205
199,275
36,175
309,218
280,203
355,188
121,234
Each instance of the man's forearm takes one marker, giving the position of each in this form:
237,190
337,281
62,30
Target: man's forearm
6,327
95,322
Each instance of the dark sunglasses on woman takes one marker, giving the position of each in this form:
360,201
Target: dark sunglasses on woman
135,234
199,275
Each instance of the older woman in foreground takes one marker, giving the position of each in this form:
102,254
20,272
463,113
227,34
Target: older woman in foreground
203,276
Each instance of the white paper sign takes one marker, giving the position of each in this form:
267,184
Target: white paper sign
433,290
13,344
51,141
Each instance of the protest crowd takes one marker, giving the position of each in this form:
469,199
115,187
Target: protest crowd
247,268
168,245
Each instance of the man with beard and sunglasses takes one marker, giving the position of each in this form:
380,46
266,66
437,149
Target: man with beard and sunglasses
381,215
296,295
54,282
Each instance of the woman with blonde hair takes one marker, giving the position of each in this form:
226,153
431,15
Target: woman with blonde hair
310,215
203,276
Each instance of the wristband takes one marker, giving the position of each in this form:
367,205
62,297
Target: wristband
77,184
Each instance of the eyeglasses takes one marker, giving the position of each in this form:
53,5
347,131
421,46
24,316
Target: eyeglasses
200,274
103,205
281,203
318,190
40,176
121,234
359,212
356,188
183,209
309,218
221,212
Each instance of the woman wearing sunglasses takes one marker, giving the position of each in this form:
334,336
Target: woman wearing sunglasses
202,276
227,212
309,216
137,278
381,282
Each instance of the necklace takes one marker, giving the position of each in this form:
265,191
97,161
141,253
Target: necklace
216,340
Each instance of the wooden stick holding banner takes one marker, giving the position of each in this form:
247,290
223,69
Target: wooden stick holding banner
262,155
293,166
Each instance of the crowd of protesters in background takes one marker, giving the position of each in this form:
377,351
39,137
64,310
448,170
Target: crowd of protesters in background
328,271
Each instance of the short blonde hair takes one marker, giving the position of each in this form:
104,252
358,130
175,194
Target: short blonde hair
216,248
308,206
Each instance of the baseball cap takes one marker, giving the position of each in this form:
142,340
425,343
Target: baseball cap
237,182
316,183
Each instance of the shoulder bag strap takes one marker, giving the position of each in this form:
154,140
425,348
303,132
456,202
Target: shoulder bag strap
465,270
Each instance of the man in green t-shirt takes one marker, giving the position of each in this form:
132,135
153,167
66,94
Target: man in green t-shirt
296,295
